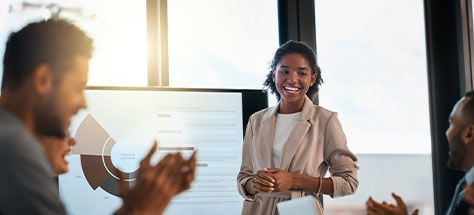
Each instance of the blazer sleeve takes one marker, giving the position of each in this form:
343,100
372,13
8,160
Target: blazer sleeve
342,162
246,169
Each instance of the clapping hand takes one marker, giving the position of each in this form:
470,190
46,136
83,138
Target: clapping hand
384,208
157,184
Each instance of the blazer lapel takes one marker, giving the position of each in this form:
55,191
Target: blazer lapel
266,138
297,134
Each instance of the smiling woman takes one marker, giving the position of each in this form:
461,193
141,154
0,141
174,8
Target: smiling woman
293,78
289,148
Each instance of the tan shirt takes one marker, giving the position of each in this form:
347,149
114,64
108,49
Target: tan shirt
316,143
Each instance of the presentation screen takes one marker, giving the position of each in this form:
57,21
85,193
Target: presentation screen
119,126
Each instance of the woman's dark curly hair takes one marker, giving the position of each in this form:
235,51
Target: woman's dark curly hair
294,47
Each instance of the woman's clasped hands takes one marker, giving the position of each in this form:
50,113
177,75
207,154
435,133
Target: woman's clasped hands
272,180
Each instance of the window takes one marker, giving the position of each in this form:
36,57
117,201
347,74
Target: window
118,30
221,44
467,9
212,43
373,64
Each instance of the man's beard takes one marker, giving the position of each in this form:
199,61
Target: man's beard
458,154
48,119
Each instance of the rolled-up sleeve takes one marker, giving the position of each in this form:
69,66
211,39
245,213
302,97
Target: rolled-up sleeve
342,162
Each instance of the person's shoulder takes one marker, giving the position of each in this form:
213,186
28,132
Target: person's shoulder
10,124
20,149
266,112
320,115
10,134
12,131
322,112
17,144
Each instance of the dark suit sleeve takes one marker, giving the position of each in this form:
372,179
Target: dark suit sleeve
460,206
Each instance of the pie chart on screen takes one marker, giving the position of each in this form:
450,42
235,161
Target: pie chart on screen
103,155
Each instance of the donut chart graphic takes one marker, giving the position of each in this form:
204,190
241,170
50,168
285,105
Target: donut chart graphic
95,147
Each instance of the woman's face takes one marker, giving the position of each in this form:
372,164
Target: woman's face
292,77
56,150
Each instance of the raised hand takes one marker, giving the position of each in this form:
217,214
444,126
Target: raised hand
375,208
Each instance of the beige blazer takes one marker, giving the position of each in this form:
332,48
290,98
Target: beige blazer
316,144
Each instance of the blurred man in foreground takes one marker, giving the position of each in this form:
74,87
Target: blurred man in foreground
45,73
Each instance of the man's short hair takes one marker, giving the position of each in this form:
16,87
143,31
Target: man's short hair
55,42
468,109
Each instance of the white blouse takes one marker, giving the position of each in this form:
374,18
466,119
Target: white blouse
283,127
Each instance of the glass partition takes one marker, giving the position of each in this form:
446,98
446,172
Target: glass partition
373,62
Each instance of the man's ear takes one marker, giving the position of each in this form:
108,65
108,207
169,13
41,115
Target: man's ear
42,79
468,135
